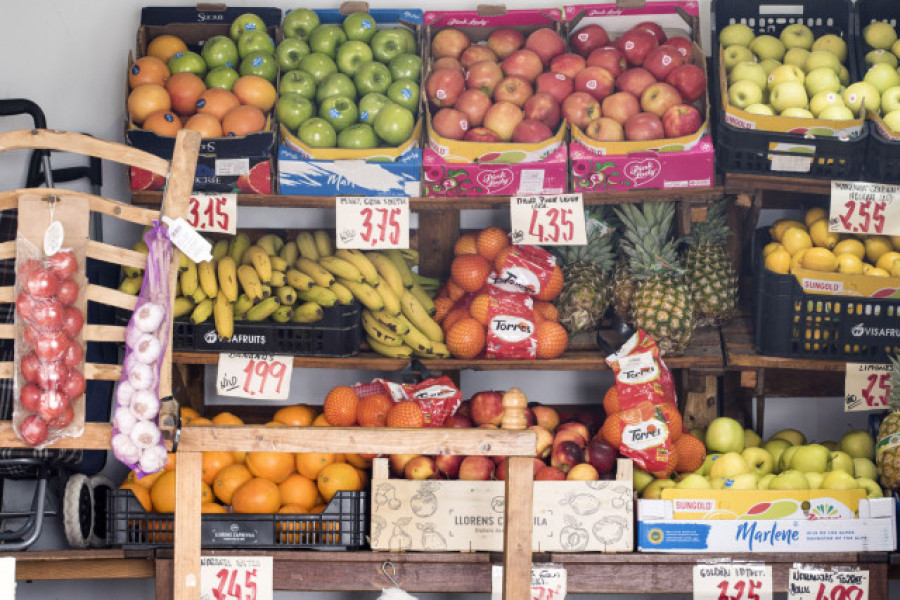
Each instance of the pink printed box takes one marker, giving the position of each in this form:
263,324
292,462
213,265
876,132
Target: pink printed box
443,178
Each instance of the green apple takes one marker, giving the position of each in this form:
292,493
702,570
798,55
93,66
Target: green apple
317,133
719,483
732,55
299,82
351,55
883,76
655,488
784,73
895,49
788,94
815,480
748,71
299,23
795,437
760,109
339,111
405,92
724,434
372,77
751,439
796,57
822,79
394,124
220,51
292,110
221,77
818,59
875,57
289,52
407,40
641,479
789,480
406,66
858,443
707,464
797,35
862,93
841,461
318,65
873,490
796,113
744,481
863,467
388,43
769,65
775,448
839,480
256,40
336,84
836,113
811,458
759,460
359,26
892,120
830,444
358,135
693,481
188,62
823,100
326,39
832,43
879,34
784,462
844,76
767,46
370,105
763,483
245,22
736,34
728,465
890,101
260,63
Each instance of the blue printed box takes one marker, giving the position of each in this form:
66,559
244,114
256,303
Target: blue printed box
302,176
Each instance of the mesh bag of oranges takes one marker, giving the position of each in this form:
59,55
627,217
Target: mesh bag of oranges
437,398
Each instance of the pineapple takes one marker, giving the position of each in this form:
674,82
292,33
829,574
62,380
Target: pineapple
623,289
710,272
661,304
887,447
586,271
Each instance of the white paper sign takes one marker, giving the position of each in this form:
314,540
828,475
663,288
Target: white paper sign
867,387
548,582
732,582
194,245
548,220
213,212
370,222
236,578
8,578
807,583
255,376
861,207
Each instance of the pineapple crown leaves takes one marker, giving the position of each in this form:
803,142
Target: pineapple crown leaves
600,239
714,230
648,244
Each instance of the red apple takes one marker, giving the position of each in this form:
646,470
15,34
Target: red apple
448,464
30,398
33,430
566,455
654,29
513,89
464,409
398,462
596,81
53,403
576,426
689,80
450,123
568,64
601,455
681,119
644,126
590,419
444,86
635,81
457,420
580,109
547,43
41,283
569,435
449,42
474,103
502,118
476,54
531,131
550,474
476,468
448,62
620,106
682,44
610,58
546,417
481,134
419,468
605,129
588,38
484,76
661,61
544,440
523,63
636,44
529,417
556,84
659,97
543,107
505,40
487,407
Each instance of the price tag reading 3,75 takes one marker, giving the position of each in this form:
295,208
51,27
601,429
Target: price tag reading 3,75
860,207
213,212
867,387
548,220
256,376
236,578
732,582
809,583
371,223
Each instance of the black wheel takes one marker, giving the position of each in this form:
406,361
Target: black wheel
101,486
78,510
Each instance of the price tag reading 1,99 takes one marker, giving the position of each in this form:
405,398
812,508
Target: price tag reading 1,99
868,208
371,223
548,220
867,387
256,376
236,577
808,583
213,212
732,582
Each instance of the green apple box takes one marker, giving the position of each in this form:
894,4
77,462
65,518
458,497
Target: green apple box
698,505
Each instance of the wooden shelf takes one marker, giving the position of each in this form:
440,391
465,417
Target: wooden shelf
746,183
96,436
84,564
740,352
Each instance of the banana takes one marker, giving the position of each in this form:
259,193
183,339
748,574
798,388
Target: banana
199,295
220,249
321,295
257,257
418,316
262,310
306,243
341,268
271,243
298,280
429,284
206,273
344,295
391,323
289,253
239,245
242,305
319,274
439,350
388,271
183,262
223,316
182,306
139,246
414,338
389,298
365,293
424,299
323,243
227,275
202,311
278,279
378,331
278,263
308,312
410,255
286,295
283,314
177,287
363,265
250,282
189,280
266,290
132,285
401,351
397,258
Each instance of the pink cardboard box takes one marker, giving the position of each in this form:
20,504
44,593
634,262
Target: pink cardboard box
442,178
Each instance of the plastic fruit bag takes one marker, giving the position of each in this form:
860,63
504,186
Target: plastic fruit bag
525,269
510,330
438,397
137,440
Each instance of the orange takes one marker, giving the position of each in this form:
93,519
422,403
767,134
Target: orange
546,310
479,308
310,463
239,456
337,477
170,462
501,258
256,91
200,421
206,125
185,89
611,401
274,466
670,411
491,241
454,292
147,69
372,410
228,480
243,120
162,493
212,508
691,453
227,418
140,492
460,312
466,338
206,493
466,244
299,490
216,102
363,477
442,306
298,415
145,99
340,406
358,460
321,421
293,509
553,287
405,414
552,339
188,414
256,496
470,271
164,47
145,482
212,462
612,430
671,466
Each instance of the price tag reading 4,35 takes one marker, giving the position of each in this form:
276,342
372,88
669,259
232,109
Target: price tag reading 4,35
256,376
866,387
236,577
732,582
371,223
548,220
808,583
861,207
548,582
213,212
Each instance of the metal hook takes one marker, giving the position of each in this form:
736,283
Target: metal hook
391,576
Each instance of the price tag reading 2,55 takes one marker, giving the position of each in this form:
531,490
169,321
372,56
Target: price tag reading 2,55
860,207
867,387
213,212
236,577
548,220
732,582
255,376
368,223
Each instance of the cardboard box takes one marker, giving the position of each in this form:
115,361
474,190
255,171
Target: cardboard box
874,530
467,516
443,178
693,505
228,164
338,171
844,284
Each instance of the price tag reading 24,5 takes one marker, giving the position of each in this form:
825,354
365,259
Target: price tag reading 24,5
236,577
371,223
732,582
255,376
860,207
548,220
213,212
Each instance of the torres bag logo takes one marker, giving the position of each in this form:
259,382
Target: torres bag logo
495,180
511,329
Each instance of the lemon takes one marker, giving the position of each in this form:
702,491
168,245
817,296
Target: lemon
781,225
876,245
867,267
895,242
849,263
886,260
815,214
795,240
876,272
770,248
851,246
819,259
797,259
895,269
778,261
820,235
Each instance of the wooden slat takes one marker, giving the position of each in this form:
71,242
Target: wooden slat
108,296
518,528
114,254
8,250
9,199
749,183
7,293
102,372
187,525
103,333
7,331
96,436
126,212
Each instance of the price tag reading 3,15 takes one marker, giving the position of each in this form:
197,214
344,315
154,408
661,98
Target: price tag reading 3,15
732,582
548,220
861,207
371,223
256,376
213,212
235,578
808,583
866,387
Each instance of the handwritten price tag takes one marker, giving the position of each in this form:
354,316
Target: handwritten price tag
368,223
236,578
866,387
213,212
548,220
8,577
256,376
548,582
732,582
860,207
818,584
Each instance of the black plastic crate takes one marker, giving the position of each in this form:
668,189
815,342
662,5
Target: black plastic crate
343,525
